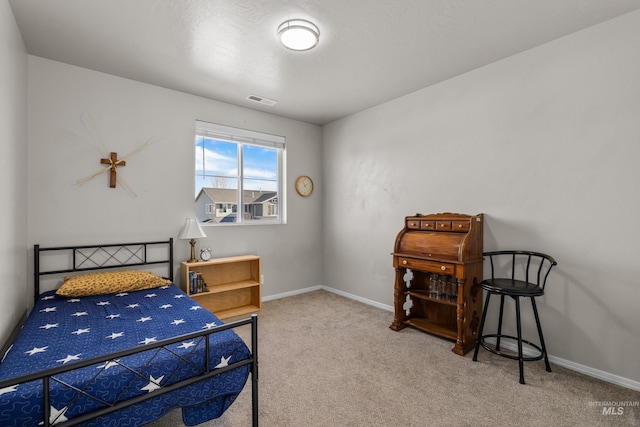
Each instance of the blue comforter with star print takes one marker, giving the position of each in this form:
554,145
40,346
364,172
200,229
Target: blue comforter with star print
60,331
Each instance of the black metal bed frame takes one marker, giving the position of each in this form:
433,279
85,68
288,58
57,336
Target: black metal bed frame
116,255
129,255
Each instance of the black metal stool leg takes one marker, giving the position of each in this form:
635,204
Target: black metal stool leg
544,348
500,323
519,327
479,336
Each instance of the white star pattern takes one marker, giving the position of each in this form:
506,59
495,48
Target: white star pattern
84,331
48,297
154,384
223,362
56,416
80,313
49,326
69,358
73,300
109,364
115,335
9,389
36,350
164,287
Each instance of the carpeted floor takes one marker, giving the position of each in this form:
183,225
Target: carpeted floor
326,360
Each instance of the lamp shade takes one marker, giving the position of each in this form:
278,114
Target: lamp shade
192,230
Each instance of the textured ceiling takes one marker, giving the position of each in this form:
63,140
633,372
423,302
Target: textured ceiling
370,51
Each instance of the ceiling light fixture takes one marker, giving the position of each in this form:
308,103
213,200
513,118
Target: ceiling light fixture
298,34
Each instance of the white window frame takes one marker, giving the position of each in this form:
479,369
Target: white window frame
243,137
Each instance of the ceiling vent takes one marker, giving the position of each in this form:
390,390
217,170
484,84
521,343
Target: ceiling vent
262,100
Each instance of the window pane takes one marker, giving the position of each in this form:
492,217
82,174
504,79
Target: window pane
222,162
216,164
260,163
258,204
260,183
216,179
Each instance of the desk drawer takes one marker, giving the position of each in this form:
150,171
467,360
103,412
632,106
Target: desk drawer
413,224
427,225
461,226
428,266
443,225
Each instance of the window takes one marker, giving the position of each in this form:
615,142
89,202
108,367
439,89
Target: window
238,167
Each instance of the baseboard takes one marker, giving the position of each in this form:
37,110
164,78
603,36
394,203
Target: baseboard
583,369
586,370
357,298
596,373
291,293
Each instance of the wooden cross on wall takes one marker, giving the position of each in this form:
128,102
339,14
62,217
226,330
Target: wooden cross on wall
113,163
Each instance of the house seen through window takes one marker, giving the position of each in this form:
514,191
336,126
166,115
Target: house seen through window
238,175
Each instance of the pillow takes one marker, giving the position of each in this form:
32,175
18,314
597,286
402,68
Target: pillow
109,282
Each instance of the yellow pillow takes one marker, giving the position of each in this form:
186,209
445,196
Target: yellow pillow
109,282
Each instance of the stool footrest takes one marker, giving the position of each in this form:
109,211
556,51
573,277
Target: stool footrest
507,355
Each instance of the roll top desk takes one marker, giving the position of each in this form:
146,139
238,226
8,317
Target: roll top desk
438,269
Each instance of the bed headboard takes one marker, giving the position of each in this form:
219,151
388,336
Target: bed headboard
69,259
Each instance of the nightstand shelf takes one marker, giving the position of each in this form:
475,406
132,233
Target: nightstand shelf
233,285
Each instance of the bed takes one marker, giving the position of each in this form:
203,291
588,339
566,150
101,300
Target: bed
123,357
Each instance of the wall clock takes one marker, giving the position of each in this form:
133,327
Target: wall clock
304,186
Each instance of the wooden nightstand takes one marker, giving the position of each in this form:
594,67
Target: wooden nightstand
233,285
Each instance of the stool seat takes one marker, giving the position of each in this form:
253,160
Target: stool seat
516,274
512,287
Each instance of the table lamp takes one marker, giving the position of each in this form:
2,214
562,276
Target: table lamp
193,231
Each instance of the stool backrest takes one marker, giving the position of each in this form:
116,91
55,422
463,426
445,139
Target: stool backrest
532,267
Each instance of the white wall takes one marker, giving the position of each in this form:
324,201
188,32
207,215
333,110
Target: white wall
13,172
63,148
547,145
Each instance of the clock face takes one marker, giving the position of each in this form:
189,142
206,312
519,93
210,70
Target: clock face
304,186
205,254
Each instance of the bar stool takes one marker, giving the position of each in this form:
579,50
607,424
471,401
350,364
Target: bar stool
529,272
